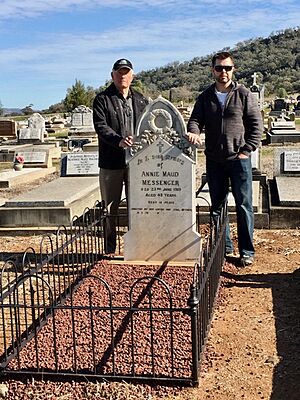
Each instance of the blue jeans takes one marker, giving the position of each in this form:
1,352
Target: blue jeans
238,174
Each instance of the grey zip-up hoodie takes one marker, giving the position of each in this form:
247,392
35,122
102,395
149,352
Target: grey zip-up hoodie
235,129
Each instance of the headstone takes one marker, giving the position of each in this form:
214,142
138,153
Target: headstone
282,130
78,164
279,105
286,161
8,130
161,119
36,121
36,130
287,176
30,135
82,122
258,91
161,207
36,158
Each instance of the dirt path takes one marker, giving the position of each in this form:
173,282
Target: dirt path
253,349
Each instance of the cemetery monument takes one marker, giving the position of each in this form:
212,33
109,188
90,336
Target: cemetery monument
161,206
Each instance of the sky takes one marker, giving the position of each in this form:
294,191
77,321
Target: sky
46,45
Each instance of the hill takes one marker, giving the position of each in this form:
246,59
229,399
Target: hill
276,60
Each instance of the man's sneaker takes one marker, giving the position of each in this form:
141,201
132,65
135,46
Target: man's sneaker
246,261
229,254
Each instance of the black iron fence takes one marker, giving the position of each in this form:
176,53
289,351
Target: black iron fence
65,310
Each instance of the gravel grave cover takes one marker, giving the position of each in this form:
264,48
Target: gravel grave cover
83,337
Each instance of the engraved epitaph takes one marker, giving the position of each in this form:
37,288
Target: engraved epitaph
161,208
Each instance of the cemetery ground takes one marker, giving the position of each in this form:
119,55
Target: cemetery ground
253,348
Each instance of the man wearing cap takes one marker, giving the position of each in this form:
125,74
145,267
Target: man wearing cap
115,114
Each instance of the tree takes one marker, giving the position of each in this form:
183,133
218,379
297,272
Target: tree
1,109
281,93
57,108
78,95
28,110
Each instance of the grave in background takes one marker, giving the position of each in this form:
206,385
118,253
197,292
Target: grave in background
82,123
35,131
278,107
10,178
57,202
82,130
78,164
161,208
282,130
285,189
8,130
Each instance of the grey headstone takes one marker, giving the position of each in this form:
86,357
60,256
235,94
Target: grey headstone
291,161
286,161
36,121
161,119
82,116
34,157
162,216
288,189
30,134
81,163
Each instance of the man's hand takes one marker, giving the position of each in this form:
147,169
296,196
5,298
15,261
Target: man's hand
241,156
126,142
195,139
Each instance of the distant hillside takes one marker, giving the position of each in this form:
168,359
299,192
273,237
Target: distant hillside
276,59
13,111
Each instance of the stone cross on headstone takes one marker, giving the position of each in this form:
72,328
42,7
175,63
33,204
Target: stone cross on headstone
161,204
254,76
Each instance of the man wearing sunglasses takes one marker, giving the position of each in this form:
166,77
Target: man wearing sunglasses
230,117
115,114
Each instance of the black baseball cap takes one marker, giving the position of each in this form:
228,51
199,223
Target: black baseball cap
122,63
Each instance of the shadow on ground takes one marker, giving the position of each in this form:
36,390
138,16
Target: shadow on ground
286,308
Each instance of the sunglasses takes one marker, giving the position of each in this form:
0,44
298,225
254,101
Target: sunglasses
220,68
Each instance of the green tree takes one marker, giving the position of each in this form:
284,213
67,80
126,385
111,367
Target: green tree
57,108
78,95
281,93
28,110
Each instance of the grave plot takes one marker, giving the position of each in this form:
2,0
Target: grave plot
69,314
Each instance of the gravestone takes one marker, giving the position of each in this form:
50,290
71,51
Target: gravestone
285,188
36,158
282,130
36,130
8,130
82,123
258,91
161,206
78,164
279,105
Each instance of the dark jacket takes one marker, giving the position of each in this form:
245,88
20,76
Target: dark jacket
109,125
236,129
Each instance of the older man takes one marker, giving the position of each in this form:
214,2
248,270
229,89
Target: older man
115,113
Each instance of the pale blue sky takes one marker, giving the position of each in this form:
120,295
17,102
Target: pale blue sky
46,45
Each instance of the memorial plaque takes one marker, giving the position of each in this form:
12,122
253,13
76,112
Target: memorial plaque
87,119
30,133
76,119
34,157
8,129
291,161
162,216
82,164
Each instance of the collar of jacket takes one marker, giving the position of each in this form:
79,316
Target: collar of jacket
235,86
